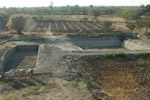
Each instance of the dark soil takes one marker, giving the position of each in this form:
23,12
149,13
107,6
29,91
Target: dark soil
22,60
119,79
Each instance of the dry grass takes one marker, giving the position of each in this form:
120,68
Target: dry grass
29,91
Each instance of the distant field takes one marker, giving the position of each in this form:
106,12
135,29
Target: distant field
75,27
82,18
60,24
59,27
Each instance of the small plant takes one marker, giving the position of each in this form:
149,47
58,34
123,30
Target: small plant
106,26
68,58
109,55
79,85
82,85
131,26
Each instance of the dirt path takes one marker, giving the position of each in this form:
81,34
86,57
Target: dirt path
68,92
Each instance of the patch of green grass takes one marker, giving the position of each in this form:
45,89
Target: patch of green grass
74,70
143,55
79,85
26,94
115,55
48,85
2,83
68,58
74,83
82,85
111,96
43,87
109,55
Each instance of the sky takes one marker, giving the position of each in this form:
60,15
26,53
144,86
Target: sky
44,3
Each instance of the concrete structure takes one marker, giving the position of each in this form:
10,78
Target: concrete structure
135,44
51,55
50,60
13,50
101,42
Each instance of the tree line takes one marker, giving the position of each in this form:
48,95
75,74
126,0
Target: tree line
129,13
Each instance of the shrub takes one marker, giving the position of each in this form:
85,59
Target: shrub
106,26
122,36
131,26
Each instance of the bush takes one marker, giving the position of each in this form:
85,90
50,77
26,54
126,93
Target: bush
106,26
131,26
122,36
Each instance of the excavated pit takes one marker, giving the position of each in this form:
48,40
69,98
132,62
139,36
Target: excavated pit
20,57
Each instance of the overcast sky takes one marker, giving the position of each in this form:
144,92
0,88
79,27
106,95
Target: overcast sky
43,3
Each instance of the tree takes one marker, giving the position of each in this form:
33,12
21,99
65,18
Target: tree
147,25
17,22
51,7
106,25
130,14
91,6
147,14
3,19
147,8
139,25
131,26
93,12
